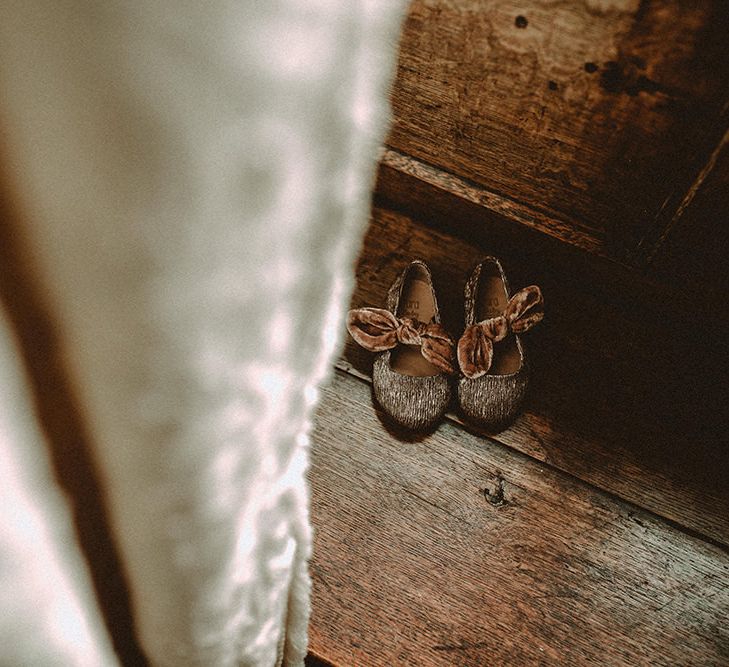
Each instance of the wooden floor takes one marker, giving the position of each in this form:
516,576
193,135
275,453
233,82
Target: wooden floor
594,531
586,144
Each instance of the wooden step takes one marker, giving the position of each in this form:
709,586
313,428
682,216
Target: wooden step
452,549
686,272
627,402
592,121
597,136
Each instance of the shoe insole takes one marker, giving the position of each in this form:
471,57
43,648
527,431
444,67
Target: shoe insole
416,301
490,302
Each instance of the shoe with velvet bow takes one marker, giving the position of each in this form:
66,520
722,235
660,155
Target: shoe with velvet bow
490,353
415,354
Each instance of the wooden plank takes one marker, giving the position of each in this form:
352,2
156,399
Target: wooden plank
394,166
595,116
454,550
627,402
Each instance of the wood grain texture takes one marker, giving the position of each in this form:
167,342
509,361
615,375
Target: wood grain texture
596,116
454,550
394,166
626,402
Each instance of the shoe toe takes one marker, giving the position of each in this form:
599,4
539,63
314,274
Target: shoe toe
492,401
414,402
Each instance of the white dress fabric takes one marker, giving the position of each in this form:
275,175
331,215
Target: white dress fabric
192,180
48,614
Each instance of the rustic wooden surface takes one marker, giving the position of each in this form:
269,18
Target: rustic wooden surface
452,549
620,400
590,119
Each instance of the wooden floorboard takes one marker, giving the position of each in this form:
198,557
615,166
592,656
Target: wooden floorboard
625,402
452,549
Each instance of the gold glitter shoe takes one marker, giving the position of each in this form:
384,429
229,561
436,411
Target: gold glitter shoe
490,353
414,352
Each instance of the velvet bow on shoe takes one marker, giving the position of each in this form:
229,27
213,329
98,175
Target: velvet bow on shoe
377,330
476,346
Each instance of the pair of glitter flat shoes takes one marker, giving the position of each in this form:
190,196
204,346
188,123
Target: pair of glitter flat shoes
416,357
